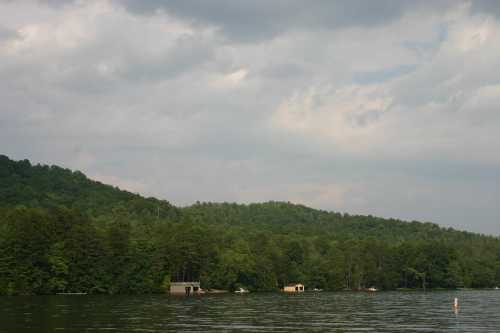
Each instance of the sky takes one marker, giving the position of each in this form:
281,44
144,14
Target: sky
388,108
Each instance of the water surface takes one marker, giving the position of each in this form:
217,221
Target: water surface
258,312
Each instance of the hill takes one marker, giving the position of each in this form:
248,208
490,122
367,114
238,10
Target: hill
284,217
62,232
46,186
43,186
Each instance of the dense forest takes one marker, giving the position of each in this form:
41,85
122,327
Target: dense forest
62,232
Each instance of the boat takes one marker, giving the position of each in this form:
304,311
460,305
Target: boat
372,289
496,288
317,289
241,291
216,291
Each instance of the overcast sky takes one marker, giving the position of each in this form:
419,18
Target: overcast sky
389,108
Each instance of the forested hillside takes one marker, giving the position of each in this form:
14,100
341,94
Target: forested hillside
61,232
52,186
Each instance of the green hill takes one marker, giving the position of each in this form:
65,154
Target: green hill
283,217
62,232
48,186
45,186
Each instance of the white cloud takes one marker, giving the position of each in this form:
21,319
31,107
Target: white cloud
346,118
230,80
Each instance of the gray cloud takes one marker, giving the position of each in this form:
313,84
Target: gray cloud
256,20
6,34
486,6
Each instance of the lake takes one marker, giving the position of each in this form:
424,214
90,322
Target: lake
258,312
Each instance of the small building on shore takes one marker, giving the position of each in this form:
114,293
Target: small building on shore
294,288
185,288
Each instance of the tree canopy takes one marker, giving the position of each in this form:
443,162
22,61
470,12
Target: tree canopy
62,232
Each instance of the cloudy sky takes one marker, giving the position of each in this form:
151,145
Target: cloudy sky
389,108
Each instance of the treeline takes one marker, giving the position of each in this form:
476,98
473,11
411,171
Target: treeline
61,250
128,244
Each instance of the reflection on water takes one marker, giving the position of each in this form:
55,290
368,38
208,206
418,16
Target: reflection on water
259,312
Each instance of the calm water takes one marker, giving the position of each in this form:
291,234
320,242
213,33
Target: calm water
259,312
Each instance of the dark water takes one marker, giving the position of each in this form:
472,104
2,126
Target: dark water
259,312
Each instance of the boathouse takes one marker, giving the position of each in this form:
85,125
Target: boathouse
294,288
185,288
